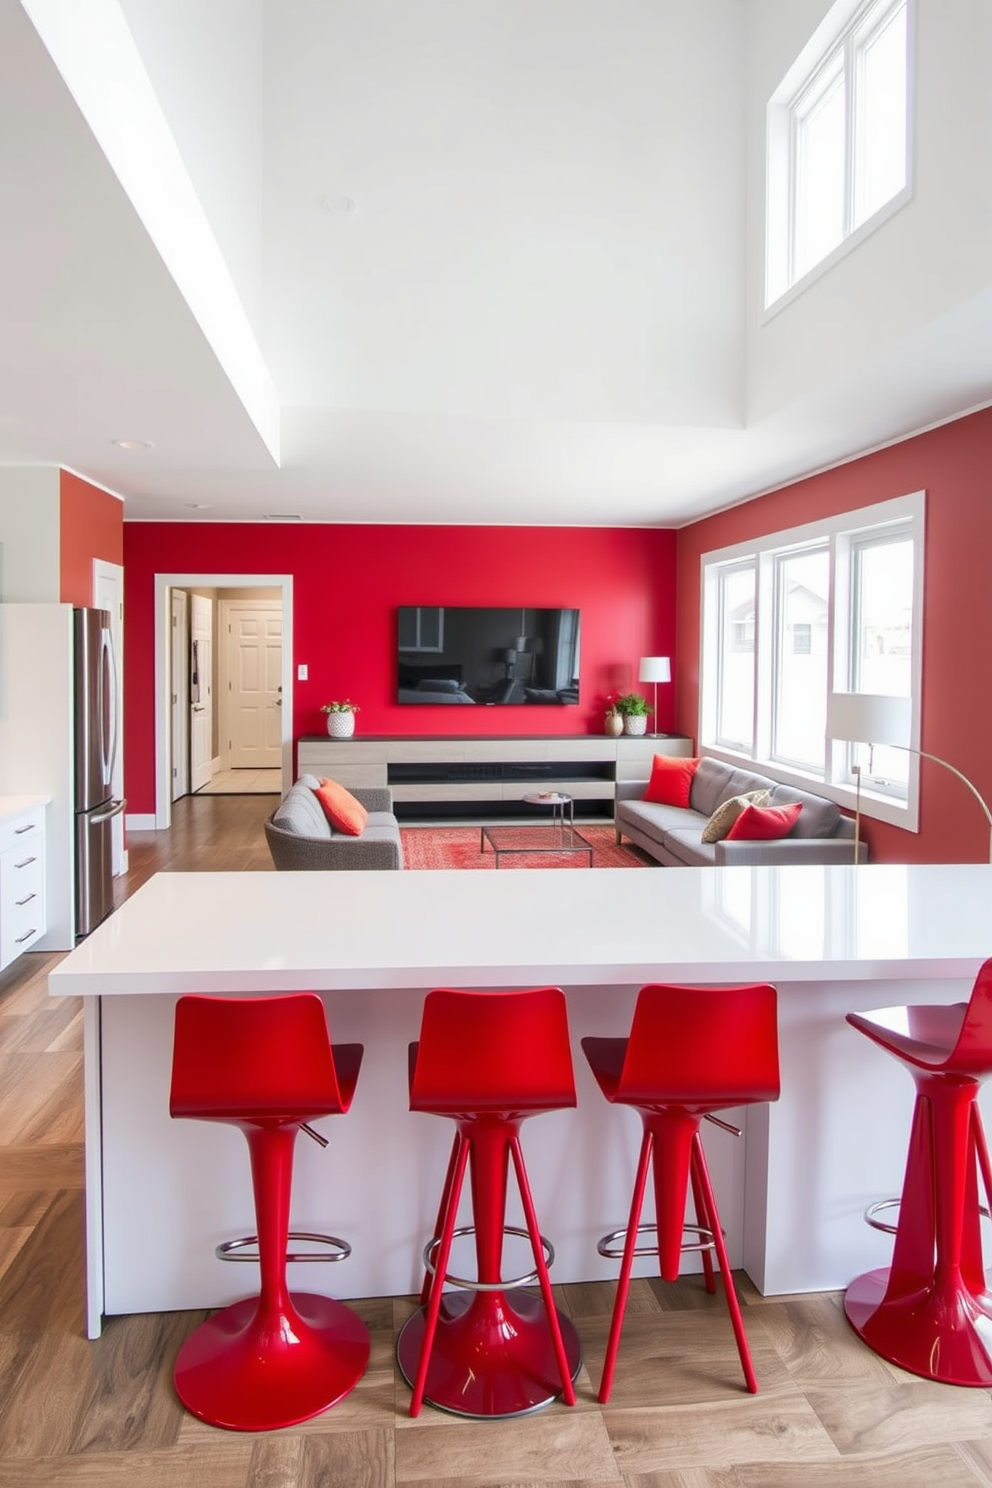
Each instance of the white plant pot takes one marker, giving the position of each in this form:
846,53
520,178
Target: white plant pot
635,723
341,725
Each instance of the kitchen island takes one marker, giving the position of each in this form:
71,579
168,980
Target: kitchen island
162,1193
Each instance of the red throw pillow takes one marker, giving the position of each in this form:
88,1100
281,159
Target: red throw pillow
671,780
762,823
343,811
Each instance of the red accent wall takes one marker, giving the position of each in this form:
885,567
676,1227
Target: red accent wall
953,464
348,582
91,525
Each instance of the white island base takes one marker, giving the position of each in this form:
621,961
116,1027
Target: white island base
161,1193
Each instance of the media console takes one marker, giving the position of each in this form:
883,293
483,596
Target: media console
454,777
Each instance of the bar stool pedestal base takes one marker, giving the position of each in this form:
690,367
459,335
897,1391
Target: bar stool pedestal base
492,1355
941,1334
249,1369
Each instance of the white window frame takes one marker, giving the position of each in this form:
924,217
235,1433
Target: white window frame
845,33
843,535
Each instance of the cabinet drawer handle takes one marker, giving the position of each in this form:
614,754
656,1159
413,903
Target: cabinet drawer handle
21,902
18,831
26,862
26,936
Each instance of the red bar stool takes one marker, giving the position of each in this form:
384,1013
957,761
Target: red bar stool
691,1051
930,1311
487,1060
266,1065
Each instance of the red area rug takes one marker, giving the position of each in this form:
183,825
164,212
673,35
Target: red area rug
458,847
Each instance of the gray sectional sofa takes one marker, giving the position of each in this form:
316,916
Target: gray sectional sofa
300,836
672,834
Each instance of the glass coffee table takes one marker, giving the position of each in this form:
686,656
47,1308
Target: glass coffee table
558,837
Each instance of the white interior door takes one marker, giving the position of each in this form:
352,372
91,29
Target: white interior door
179,693
254,683
201,707
108,594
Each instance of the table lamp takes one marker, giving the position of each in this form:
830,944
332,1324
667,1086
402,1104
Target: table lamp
655,669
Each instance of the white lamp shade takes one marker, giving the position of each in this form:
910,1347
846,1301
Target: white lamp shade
655,669
869,718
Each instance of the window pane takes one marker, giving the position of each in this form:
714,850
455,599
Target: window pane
802,612
735,702
820,172
883,611
881,120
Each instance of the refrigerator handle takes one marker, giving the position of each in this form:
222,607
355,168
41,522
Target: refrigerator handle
115,704
115,809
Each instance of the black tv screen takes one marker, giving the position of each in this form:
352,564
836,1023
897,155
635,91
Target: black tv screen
479,656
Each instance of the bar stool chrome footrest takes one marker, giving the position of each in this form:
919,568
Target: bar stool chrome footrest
470,1285
613,1250
237,1250
873,1210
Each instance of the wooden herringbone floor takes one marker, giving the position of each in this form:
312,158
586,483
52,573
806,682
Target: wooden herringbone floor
103,1413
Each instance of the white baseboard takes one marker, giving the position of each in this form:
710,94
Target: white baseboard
140,822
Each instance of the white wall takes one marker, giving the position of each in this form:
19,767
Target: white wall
893,291
30,565
205,65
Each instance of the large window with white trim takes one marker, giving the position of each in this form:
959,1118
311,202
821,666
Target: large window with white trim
834,607
838,138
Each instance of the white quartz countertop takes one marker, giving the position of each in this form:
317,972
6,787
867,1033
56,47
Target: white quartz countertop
227,932
11,806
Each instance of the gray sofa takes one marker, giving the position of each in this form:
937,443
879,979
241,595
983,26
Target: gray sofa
300,836
672,834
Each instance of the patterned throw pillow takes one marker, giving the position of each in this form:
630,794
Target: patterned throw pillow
727,813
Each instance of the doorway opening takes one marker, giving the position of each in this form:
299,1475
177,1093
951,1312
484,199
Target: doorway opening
223,709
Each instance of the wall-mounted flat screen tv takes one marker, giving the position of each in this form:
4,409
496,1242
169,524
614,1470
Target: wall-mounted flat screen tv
479,656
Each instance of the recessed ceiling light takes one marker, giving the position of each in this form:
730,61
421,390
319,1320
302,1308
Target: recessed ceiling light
337,205
132,444
282,517
199,505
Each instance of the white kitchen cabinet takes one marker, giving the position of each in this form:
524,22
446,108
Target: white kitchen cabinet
22,874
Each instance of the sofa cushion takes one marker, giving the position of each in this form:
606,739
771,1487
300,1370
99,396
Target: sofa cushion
684,844
671,780
300,812
820,817
655,820
343,811
727,813
715,782
764,823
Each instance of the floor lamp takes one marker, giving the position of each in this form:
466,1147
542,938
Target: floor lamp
655,669
870,718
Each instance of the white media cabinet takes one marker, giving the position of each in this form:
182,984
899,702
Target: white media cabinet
462,776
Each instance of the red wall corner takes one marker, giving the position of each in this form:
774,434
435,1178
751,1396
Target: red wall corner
91,525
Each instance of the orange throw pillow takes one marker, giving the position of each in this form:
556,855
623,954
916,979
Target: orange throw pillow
343,811
763,823
671,780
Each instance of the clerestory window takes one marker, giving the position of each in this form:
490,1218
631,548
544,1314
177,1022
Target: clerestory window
838,139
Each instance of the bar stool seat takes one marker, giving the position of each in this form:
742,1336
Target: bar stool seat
691,1051
266,1065
931,1311
487,1060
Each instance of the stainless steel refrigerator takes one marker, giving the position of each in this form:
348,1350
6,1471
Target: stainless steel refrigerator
97,731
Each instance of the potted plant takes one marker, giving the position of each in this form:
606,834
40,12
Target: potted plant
340,718
634,711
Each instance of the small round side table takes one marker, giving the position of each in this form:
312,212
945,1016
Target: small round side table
562,807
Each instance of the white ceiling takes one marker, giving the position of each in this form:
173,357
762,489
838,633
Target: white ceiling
495,265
